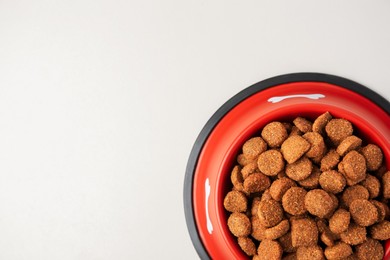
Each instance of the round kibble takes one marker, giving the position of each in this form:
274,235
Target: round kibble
354,166
373,185
386,185
300,169
302,124
280,186
249,169
350,143
373,155
254,147
354,235
312,181
370,249
382,209
353,193
304,232
293,201
286,243
381,231
294,147
317,143
277,231
339,251
330,160
243,160
247,245
340,220
321,121
338,129
258,228
270,212
310,253
266,195
269,249
274,134
256,182
270,162
255,205
363,212
332,181
319,203
235,201
236,178
239,224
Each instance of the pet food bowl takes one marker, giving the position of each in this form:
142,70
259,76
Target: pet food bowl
281,98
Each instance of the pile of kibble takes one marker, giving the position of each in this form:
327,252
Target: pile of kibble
309,190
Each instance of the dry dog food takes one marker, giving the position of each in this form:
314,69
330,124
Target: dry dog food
309,190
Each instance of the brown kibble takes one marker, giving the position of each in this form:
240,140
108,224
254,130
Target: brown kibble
363,212
280,186
247,245
339,251
386,185
349,143
300,169
243,160
320,123
382,209
321,225
256,182
354,166
254,147
235,201
239,224
327,237
236,178
373,155
266,195
354,235
339,222
304,232
353,193
286,243
293,201
277,231
332,181
269,250
338,129
370,249
317,143
255,205
249,169
270,162
312,181
294,147
310,253
322,209
274,134
295,131
302,124
373,185
330,160
270,212
258,229
381,231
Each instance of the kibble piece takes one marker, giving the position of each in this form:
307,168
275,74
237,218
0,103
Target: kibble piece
310,253
340,220
243,160
381,231
266,195
256,182
270,212
363,212
280,186
286,243
354,235
373,155
274,134
302,124
300,169
353,193
295,131
247,245
330,160
255,205
328,238
312,181
239,224
382,209
236,178
235,201
319,203
254,147
370,249
339,251
269,250
258,229
386,185
270,162
317,143
304,232
277,231
338,129
249,169
373,185
332,181
293,201
349,143
294,147
354,166
320,123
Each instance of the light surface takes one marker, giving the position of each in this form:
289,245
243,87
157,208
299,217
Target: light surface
101,102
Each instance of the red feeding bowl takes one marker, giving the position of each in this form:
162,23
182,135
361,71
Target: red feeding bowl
207,178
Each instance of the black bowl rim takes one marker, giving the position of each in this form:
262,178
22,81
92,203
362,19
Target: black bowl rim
232,102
